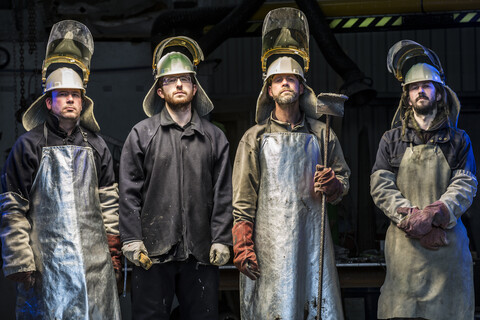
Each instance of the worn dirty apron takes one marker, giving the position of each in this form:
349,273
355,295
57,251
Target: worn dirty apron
287,236
74,277
420,282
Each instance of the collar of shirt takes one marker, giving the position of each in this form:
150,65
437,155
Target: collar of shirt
53,125
194,124
300,124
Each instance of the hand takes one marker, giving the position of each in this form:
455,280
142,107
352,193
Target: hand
116,255
219,254
415,224
136,252
434,239
244,257
326,182
439,211
418,223
26,278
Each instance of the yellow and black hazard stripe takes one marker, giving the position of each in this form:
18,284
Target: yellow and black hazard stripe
337,24
408,21
405,21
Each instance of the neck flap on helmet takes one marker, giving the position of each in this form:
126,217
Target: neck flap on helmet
176,63
69,48
411,62
61,78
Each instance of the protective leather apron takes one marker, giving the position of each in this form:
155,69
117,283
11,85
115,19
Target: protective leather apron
420,282
74,277
287,236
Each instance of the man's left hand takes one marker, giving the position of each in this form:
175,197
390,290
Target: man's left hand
435,239
219,254
326,182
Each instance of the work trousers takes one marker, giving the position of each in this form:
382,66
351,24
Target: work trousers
194,284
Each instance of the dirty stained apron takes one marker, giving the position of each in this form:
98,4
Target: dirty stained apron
74,277
287,236
420,282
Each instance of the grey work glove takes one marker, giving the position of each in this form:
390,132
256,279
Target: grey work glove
219,254
136,252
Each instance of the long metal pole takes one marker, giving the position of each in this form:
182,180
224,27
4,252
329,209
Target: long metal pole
323,221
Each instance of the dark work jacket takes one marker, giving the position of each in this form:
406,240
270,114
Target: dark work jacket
23,161
175,188
454,143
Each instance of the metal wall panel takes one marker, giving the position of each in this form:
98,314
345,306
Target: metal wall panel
239,71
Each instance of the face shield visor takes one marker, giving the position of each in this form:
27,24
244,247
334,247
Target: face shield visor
414,53
285,32
70,42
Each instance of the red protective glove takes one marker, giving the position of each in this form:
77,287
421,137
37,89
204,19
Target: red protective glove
27,278
418,222
414,223
434,239
326,182
115,246
244,257
439,211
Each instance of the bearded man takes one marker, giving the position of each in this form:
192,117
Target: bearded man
175,186
424,180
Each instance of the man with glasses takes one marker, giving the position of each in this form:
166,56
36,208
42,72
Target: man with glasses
175,186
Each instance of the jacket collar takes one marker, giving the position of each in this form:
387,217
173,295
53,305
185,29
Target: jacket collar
194,124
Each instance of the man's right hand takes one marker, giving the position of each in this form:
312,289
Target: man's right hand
415,223
27,278
136,252
418,223
244,257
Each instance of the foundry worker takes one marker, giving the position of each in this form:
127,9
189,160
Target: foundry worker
59,206
175,191
424,180
278,179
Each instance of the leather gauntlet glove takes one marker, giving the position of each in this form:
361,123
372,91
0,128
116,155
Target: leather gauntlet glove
26,278
439,213
219,254
244,257
418,222
136,253
435,239
114,245
414,223
326,182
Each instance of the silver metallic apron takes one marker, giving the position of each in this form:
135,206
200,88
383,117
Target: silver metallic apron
74,277
420,282
287,236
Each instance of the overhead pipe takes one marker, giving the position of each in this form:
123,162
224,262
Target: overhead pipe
227,21
356,85
185,22
231,24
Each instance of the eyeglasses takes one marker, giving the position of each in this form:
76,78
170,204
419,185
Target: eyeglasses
171,80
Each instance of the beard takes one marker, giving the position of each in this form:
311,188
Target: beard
179,103
286,98
424,107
